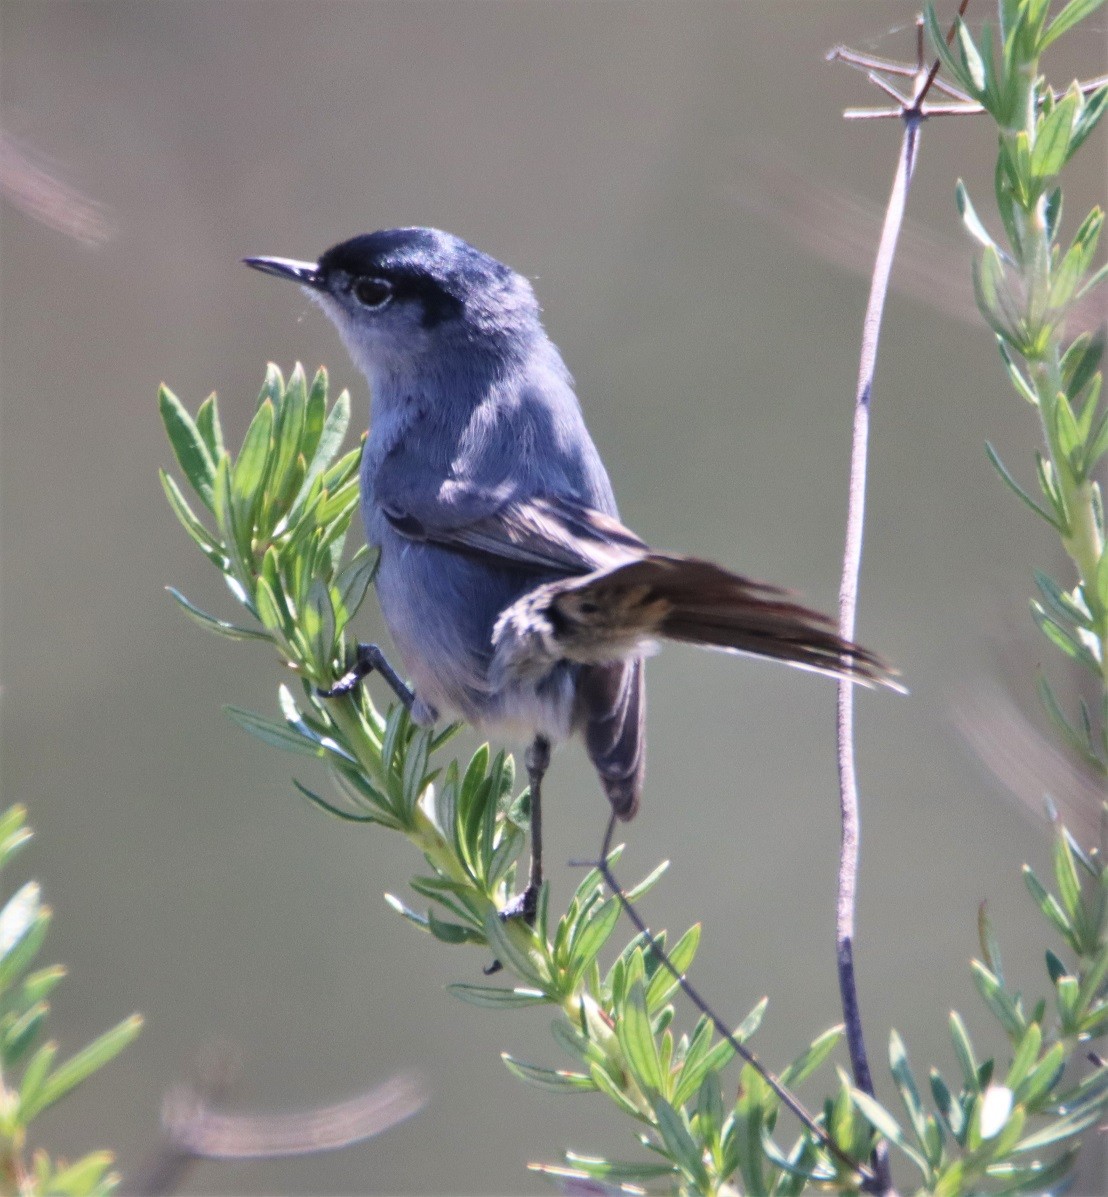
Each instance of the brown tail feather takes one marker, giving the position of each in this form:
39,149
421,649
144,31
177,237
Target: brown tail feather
611,710
615,613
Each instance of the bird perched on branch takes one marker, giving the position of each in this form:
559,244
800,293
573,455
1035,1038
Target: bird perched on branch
516,598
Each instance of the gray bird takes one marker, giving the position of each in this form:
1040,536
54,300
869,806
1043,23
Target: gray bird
516,598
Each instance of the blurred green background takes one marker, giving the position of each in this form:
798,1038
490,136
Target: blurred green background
679,182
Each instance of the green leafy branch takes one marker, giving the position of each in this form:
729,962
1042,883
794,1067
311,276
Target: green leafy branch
280,512
1016,1129
1028,285
30,1079
704,1134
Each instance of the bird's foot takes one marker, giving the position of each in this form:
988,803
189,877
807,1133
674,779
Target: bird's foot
522,906
368,659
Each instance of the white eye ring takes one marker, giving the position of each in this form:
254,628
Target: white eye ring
372,292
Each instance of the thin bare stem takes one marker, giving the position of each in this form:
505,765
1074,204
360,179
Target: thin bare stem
848,607
871,1181
877,114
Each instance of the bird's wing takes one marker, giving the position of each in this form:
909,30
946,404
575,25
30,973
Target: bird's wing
549,534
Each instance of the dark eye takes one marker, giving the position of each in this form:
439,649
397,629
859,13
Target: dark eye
372,292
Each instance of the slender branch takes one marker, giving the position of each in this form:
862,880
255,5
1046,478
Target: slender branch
871,1181
848,606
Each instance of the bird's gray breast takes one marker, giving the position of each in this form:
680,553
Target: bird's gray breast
447,463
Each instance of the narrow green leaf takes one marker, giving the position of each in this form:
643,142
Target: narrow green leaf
574,1042
1054,966
350,586
322,623
553,1080
998,999
949,1109
1034,1177
36,1072
647,883
1066,432
23,923
971,220
13,834
1050,907
237,541
208,545
315,413
1070,273
610,1088
1026,1053
1052,141
510,953
83,1064
586,945
1052,213
407,912
1020,493
1079,365
347,816
1098,443
249,470
886,1125
88,1177
492,997
220,626
662,984
273,387
1089,118
636,1037
990,949
284,481
1060,1129
1065,876
452,933
41,983
280,735
617,1171
812,1056
1063,606
1042,1078
397,730
271,610
709,1110
208,425
334,430
991,293
1023,388
1058,718
1063,639
906,1086
1073,13
188,445
963,1050
802,1166
1093,980
415,775
23,1033
954,65
680,1145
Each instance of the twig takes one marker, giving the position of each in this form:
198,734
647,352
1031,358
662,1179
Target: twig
871,1182
848,606
965,106
913,114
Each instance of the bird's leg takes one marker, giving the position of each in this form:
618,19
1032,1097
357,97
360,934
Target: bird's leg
537,761
368,658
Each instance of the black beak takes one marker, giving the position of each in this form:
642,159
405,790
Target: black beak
305,273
